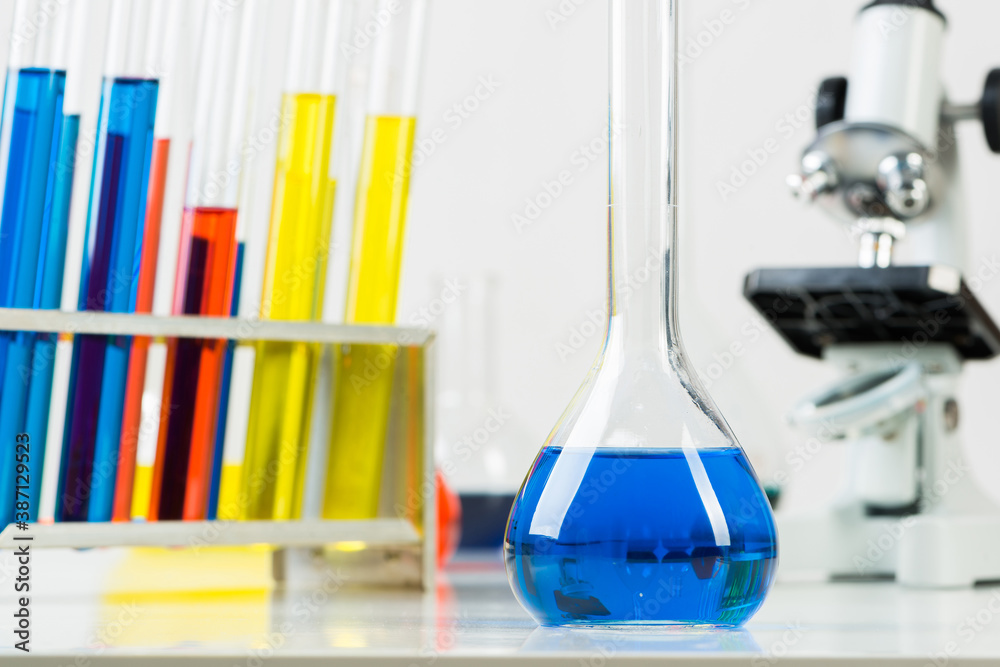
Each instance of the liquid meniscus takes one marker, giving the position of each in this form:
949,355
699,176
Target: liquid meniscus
608,536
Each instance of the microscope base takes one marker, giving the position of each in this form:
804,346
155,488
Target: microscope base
950,551
920,551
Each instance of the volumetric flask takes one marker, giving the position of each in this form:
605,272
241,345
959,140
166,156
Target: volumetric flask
641,508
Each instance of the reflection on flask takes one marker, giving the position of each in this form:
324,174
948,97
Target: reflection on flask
583,641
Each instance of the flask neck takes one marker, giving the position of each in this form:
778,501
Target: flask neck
643,188
641,393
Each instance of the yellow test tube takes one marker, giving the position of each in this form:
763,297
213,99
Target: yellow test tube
364,373
284,376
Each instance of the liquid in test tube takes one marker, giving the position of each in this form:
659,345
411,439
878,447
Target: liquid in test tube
35,138
109,280
285,374
364,374
179,119
225,387
47,407
237,368
169,15
207,264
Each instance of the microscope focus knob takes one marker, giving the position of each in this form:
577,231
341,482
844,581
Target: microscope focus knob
990,109
831,100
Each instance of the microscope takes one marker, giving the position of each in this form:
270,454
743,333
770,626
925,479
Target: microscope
899,325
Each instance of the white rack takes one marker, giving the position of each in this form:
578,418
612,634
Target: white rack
396,548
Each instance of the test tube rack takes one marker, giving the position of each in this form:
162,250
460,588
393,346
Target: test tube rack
397,548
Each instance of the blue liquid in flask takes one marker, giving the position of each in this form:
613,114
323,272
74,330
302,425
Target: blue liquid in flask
614,536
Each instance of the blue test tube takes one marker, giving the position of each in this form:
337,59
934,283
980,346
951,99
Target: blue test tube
34,135
109,277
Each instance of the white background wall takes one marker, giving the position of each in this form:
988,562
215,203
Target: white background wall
551,100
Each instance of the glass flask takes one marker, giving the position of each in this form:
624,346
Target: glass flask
476,437
641,508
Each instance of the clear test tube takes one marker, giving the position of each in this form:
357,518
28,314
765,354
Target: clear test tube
284,378
347,139
237,369
364,373
113,249
163,52
47,409
207,266
33,218
67,51
181,121
237,378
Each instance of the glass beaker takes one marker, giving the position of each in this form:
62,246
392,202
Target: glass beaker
641,508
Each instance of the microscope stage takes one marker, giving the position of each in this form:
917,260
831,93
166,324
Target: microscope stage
817,307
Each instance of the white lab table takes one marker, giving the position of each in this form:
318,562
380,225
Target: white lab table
472,619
